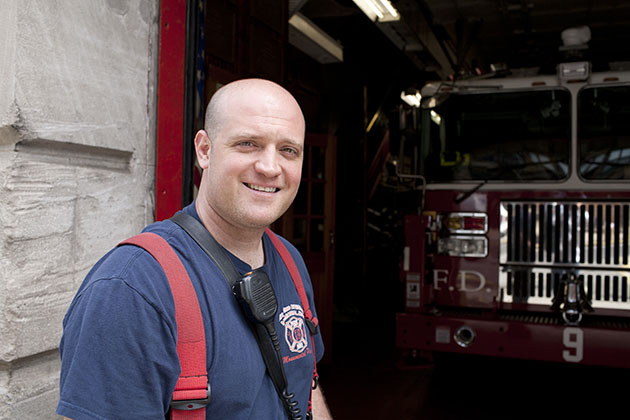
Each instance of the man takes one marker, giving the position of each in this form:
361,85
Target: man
118,350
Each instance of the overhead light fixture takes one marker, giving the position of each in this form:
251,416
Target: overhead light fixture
312,40
378,10
411,97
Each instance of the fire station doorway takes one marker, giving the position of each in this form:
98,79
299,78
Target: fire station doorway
204,48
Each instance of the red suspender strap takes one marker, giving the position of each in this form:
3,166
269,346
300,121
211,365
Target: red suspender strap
295,275
299,285
192,391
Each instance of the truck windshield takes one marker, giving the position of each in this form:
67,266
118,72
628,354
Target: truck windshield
604,132
511,136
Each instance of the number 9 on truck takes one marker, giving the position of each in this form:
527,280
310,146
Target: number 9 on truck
573,340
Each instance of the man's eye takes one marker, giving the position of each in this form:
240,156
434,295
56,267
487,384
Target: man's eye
291,151
246,143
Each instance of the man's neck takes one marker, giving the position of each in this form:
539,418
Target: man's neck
246,244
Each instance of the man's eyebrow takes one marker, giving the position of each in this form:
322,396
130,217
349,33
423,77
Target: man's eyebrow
244,135
286,141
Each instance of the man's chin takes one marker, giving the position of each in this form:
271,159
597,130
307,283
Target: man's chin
256,222
257,211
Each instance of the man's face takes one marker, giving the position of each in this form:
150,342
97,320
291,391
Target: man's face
255,160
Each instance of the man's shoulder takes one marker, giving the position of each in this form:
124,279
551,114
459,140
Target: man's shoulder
293,251
133,254
290,247
130,263
165,228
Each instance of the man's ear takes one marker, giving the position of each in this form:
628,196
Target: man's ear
202,147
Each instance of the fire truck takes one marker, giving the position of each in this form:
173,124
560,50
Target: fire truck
520,247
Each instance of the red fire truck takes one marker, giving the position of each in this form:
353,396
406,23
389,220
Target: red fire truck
521,244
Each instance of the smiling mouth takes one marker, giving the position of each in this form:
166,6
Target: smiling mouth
260,188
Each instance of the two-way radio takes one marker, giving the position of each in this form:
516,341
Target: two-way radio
258,301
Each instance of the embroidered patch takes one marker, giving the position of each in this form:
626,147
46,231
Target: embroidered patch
292,318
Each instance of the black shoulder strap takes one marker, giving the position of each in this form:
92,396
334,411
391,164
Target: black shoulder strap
206,241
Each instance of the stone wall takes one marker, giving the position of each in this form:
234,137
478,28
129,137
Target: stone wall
77,144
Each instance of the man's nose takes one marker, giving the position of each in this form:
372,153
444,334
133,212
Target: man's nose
267,163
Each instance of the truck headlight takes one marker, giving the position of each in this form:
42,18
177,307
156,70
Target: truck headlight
462,222
463,246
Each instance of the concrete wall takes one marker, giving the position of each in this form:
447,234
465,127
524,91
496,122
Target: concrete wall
77,143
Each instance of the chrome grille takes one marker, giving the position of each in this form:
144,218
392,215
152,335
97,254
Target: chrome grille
540,242
573,233
605,289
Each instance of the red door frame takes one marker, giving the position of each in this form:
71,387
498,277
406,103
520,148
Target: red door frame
170,109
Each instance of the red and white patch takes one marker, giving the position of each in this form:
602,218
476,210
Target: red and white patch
292,318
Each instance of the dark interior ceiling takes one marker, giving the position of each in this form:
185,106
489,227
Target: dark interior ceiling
441,38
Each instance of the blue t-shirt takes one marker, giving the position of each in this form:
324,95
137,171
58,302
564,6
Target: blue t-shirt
118,350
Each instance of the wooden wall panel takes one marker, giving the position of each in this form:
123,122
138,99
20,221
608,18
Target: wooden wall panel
221,35
246,38
265,53
272,13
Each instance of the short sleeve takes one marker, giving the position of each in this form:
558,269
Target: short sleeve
119,357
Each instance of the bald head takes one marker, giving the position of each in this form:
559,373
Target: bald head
251,155
224,101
